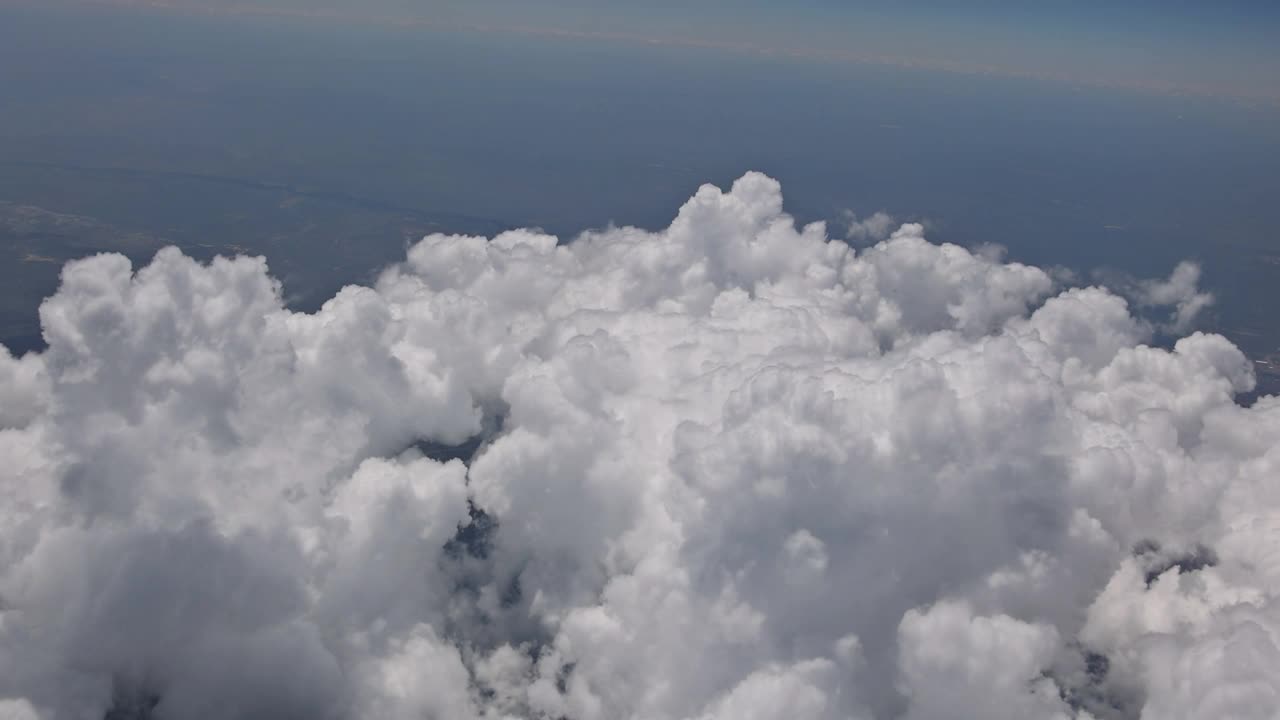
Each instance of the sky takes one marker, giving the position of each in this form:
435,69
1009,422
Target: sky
1222,48
700,361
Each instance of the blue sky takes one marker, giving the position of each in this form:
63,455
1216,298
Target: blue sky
1224,48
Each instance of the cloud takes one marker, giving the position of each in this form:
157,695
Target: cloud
730,468
875,228
990,666
1179,294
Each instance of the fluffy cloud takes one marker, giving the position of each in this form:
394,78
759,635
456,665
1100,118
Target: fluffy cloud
1181,292
874,228
728,469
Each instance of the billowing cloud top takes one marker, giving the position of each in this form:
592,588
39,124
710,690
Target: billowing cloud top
732,469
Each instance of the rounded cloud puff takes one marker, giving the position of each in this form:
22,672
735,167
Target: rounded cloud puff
729,469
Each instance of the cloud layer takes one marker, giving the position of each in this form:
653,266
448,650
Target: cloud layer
730,469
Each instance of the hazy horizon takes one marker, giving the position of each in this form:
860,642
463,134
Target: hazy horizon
1223,49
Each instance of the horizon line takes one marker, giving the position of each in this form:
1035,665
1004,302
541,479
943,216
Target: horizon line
956,67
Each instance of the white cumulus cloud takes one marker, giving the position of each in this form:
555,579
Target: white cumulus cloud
733,468
873,228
